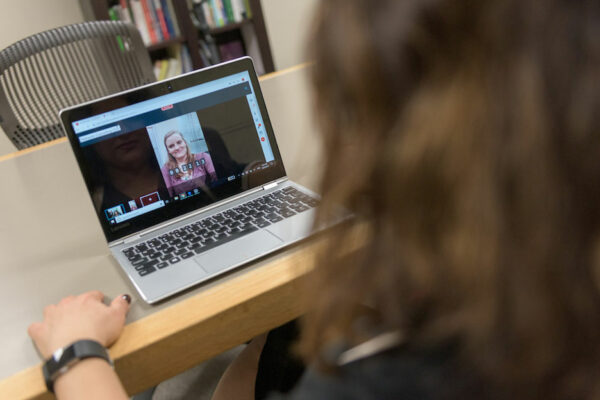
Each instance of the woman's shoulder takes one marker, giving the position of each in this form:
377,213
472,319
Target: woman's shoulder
165,168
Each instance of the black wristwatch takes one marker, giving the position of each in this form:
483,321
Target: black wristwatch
63,359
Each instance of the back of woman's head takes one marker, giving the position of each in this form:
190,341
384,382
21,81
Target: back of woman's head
467,134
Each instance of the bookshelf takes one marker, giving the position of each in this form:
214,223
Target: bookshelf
189,34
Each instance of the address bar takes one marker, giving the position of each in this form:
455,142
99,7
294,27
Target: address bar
100,133
152,104
130,111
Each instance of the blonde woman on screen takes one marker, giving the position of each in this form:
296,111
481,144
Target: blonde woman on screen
184,170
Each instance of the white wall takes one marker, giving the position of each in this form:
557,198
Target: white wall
288,23
22,18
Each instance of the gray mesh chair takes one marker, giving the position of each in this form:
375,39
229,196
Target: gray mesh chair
46,72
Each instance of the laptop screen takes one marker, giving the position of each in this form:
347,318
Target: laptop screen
161,151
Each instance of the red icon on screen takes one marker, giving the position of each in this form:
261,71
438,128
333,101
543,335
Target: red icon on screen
259,125
262,139
243,79
149,198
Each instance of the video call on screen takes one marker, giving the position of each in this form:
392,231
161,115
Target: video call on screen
171,156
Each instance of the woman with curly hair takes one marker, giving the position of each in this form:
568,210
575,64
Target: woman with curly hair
465,137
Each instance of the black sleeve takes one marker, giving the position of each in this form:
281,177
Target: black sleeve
397,374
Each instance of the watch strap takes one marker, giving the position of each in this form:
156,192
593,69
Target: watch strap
65,358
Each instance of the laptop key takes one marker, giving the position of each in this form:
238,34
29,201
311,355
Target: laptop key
139,261
181,251
149,263
187,255
162,247
174,260
262,224
162,265
287,213
220,237
300,208
146,271
312,203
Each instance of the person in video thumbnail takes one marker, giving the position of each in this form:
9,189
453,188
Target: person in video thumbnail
184,170
125,170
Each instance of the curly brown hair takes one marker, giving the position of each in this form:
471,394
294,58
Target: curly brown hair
466,135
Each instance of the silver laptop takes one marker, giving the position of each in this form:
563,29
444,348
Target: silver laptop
186,177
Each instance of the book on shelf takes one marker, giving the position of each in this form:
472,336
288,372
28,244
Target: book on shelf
124,11
154,38
155,19
208,52
219,13
140,21
231,50
178,63
253,48
170,20
186,60
162,23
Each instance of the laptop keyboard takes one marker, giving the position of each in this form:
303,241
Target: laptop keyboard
190,240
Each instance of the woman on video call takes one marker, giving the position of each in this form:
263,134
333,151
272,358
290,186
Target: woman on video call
465,136
185,171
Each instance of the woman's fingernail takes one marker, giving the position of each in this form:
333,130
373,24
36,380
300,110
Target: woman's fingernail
127,298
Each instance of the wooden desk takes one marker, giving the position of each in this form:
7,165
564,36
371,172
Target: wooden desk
51,246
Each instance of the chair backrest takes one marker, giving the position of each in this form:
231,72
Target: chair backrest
46,72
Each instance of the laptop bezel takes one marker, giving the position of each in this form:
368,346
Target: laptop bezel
173,211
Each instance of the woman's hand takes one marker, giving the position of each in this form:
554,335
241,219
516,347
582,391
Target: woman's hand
79,317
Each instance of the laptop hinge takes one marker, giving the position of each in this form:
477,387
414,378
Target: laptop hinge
131,239
270,186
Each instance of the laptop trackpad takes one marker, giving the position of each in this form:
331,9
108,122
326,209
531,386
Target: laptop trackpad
237,252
